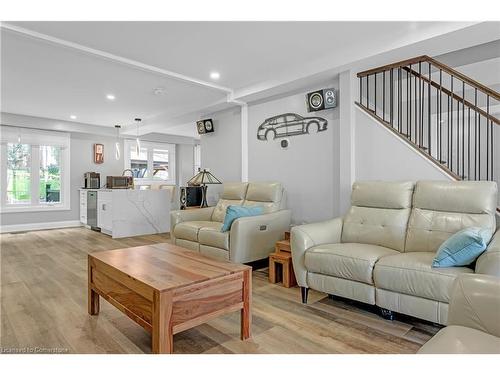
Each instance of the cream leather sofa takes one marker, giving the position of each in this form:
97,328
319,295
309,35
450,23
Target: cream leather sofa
381,251
250,238
473,319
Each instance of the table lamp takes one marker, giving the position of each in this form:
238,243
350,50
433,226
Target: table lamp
203,178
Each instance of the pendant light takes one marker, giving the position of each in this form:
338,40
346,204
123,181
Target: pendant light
117,143
137,141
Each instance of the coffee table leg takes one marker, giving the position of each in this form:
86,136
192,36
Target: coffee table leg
162,337
246,312
93,297
93,302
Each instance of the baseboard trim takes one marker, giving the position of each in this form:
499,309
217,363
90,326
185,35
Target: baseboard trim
39,226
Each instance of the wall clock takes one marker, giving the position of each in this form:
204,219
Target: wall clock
98,153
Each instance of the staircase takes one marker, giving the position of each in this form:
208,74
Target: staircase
448,117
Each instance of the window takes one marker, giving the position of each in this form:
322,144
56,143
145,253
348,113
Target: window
138,161
155,162
34,170
160,164
50,174
197,159
18,174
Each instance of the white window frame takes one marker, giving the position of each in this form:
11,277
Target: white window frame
150,146
35,138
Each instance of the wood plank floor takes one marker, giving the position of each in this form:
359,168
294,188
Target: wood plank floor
44,305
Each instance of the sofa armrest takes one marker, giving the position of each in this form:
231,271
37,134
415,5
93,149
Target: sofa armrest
475,303
254,237
179,216
489,262
306,236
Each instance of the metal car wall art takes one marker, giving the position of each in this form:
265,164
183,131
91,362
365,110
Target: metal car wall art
289,124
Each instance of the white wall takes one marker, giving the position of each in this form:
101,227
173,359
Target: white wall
185,163
380,155
307,168
221,150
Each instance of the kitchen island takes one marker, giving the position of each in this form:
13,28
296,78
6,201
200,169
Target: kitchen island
126,212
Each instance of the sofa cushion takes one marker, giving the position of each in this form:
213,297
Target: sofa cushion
379,214
233,193
265,194
412,273
234,190
350,261
220,209
382,194
376,226
212,236
461,340
188,230
474,197
442,208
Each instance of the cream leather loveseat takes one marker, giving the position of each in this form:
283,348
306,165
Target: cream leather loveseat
473,319
381,251
250,238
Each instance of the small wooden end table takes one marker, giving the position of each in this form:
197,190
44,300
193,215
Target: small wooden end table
167,289
282,257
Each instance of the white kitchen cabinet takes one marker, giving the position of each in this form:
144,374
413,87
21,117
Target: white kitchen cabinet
83,207
105,211
126,212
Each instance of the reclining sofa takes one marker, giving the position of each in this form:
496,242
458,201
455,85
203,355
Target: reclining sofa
250,238
381,251
473,324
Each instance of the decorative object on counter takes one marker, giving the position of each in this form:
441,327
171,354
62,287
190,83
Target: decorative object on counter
205,126
98,153
117,142
92,180
137,141
203,178
321,99
289,124
281,259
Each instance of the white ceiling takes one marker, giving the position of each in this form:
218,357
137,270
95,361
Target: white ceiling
47,79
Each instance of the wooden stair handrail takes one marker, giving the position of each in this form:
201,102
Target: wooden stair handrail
395,65
453,95
424,58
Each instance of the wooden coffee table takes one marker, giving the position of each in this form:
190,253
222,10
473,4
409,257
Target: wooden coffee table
168,289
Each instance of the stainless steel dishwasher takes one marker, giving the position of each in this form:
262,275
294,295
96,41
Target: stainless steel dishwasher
92,209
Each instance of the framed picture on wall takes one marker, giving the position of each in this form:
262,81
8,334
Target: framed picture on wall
98,153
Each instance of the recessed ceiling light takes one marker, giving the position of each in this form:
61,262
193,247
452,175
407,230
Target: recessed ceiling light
73,117
110,97
214,75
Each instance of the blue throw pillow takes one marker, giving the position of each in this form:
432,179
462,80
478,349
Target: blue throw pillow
462,248
235,212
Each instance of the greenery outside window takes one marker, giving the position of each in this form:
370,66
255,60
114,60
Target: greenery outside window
34,170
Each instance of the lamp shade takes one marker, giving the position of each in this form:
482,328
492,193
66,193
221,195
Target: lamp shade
203,177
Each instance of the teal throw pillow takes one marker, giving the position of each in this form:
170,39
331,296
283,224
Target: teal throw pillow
235,212
462,248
